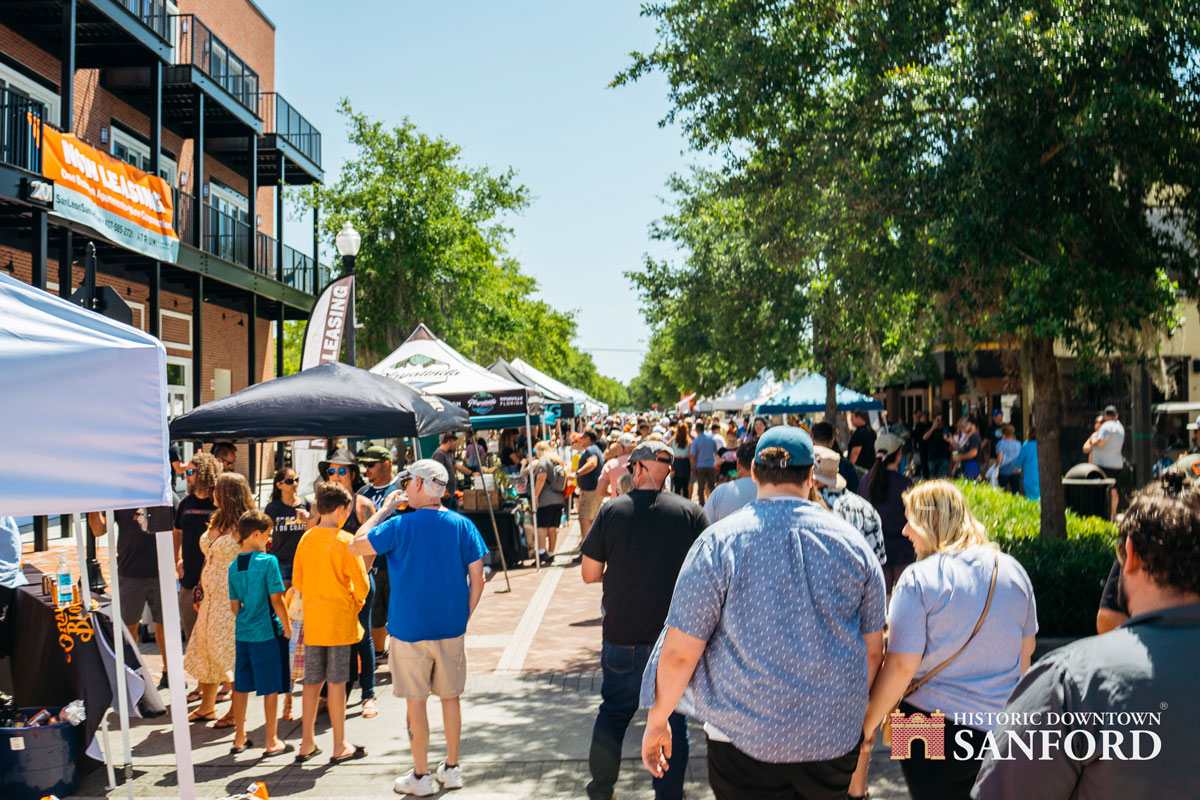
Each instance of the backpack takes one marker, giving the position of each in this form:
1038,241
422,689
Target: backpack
557,480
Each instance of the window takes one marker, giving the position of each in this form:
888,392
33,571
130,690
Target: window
132,150
26,87
229,227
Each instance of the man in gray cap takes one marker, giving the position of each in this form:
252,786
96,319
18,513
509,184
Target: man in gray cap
435,559
636,547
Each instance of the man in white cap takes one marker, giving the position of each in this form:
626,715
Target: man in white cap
435,560
850,506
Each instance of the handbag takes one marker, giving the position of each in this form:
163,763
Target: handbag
886,733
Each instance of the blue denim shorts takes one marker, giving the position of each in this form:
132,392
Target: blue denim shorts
263,667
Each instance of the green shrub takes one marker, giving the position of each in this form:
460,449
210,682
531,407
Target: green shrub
1067,575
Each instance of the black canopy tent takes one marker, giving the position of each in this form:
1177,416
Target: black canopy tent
332,400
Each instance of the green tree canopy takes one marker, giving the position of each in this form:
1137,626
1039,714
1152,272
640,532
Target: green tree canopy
1028,172
434,250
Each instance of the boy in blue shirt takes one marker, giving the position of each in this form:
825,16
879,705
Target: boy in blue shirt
262,632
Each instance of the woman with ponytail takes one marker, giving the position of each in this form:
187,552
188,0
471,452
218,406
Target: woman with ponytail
884,487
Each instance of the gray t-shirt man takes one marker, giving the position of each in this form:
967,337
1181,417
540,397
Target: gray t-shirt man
447,460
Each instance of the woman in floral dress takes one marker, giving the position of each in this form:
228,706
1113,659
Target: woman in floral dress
211,648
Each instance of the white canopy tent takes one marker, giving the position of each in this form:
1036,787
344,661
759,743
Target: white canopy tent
90,395
744,397
591,406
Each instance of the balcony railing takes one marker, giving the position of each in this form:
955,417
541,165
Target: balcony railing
199,47
280,118
21,131
227,237
154,15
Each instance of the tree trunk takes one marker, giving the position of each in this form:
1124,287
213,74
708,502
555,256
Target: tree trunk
1047,417
831,398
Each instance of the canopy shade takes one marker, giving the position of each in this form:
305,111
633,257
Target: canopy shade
429,364
590,405
684,405
329,401
506,370
751,392
807,396
84,399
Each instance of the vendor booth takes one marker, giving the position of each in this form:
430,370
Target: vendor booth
87,397
807,396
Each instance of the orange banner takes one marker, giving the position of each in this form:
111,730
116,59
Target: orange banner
127,206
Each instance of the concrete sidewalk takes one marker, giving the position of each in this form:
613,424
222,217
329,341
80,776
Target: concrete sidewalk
528,711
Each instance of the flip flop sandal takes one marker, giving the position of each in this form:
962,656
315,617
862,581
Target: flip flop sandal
370,711
224,697
225,722
233,751
287,748
196,716
301,757
193,696
359,752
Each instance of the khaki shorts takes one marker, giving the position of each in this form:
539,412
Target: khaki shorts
589,504
438,666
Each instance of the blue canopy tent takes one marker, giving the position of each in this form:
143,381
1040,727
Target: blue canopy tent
807,395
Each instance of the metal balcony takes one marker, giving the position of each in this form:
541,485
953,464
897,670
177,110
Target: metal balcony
290,144
108,33
21,131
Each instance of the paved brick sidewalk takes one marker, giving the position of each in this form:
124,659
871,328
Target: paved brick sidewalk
531,699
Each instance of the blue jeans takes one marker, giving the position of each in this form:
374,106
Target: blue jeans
623,667
363,653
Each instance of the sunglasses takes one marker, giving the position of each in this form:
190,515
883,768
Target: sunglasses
189,472
289,481
337,470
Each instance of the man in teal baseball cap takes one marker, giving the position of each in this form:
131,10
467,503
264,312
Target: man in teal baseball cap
781,588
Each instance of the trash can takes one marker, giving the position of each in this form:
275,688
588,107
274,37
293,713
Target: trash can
35,762
1087,491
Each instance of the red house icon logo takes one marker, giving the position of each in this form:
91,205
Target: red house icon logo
906,729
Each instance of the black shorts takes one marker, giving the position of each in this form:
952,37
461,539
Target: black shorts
1122,475
550,516
734,775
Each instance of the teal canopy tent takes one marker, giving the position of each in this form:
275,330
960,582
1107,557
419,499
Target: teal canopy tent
807,396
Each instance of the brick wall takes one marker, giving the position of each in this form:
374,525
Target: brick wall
240,26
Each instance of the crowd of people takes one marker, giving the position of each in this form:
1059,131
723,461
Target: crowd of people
793,587
821,592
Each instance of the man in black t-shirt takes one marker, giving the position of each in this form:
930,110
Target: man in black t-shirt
862,441
191,521
636,546
137,569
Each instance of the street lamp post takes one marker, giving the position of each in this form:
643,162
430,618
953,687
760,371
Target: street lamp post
348,241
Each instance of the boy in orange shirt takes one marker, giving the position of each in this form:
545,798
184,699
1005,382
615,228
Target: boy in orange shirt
334,586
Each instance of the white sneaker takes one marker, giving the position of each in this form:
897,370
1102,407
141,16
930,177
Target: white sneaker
450,777
408,783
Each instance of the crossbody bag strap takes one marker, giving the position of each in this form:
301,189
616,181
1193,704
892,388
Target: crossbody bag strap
912,687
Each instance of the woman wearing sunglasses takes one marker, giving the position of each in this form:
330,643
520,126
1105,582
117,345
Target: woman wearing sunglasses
342,467
290,516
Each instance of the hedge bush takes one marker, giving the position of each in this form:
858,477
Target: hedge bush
1067,574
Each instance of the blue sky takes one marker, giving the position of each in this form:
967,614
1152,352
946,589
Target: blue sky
514,83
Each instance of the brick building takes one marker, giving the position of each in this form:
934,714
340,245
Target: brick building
184,90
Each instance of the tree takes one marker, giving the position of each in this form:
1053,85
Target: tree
1033,168
434,251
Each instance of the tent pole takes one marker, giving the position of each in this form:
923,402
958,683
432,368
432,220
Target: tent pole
118,627
495,529
185,775
85,593
537,554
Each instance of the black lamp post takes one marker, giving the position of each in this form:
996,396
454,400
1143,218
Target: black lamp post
348,241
